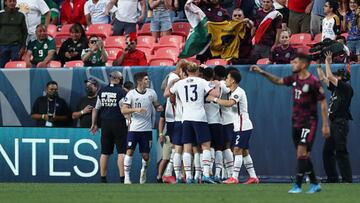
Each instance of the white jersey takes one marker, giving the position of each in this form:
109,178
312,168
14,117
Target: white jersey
178,109
239,111
330,27
212,110
170,108
141,122
225,111
97,11
127,11
191,92
32,9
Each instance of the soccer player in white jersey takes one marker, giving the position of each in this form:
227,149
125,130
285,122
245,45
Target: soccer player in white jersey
226,121
139,102
242,126
214,120
191,92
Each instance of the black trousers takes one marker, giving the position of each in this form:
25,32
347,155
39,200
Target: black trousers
335,152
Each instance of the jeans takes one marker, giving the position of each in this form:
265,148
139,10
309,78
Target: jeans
7,53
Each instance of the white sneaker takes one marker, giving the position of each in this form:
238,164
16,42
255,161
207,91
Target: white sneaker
143,176
127,180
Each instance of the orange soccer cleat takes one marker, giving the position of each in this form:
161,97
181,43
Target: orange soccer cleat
252,180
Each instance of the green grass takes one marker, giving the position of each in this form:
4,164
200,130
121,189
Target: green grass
158,193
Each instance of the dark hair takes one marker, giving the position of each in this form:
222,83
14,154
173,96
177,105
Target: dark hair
235,74
208,73
231,68
128,85
77,27
333,4
303,57
139,76
51,83
220,71
342,38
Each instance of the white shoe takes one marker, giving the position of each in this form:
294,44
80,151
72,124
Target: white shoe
143,176
127,180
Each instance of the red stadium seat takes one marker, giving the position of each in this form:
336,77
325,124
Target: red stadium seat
302,49
51,64
262,61
74,64
215,62
15,64
171,39
145,30
100,30
60,38
146,50
300,38
52,30
167,52
156,61
146,41
65,29
109,63
181,28
112,53
115,42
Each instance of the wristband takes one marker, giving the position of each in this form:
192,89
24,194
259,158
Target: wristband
82,112
161,134
215,100
43,116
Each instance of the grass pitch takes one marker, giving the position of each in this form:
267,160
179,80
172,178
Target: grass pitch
158,193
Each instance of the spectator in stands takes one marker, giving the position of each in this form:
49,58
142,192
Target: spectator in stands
131,56
352,28
54,12
299,15
247,6
41,50
317,15
13,33
72,11
86,104
213,11
96,54
246,46
95,12
50,110
127,15
281,6
264,41
33,9
161,19
331,22
72,48
283,53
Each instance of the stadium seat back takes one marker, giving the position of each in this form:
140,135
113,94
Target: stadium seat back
52,30
262,61
74,64
112,53
215,62
115,42
15,64
161,62
145,30
300,38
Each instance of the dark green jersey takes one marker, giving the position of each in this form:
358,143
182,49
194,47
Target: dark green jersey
95,58
40,49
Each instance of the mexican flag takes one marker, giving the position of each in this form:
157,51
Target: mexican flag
265,24
198,39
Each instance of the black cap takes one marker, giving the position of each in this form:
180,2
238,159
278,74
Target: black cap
92,81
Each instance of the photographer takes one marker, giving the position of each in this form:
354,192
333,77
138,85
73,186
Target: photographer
335,149
72,48
50,110
130,56
95,55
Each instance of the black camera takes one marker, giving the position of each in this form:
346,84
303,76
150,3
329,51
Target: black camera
72,49
344,74
319,50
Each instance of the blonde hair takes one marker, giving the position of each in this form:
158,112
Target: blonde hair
192,67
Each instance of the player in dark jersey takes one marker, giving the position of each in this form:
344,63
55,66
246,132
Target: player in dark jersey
306,91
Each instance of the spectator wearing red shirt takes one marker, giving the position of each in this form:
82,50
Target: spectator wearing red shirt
130,56
72,11
299,15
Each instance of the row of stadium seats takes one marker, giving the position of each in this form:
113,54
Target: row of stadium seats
306,39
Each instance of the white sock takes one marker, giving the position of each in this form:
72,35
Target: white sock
187,165
237,166
218,163
212,151
127,165
170,167
177,165
229,161
248,162
145,164
197,166
206,162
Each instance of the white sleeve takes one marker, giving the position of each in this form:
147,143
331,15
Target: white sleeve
98,103
154,96
236,95
223,87
173,89
208,86
128,98
43,7
86,8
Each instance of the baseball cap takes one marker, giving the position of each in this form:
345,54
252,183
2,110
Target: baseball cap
92,81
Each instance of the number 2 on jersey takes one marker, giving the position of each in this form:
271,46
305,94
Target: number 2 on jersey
194,95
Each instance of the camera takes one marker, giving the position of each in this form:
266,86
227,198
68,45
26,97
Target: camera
72,49
327,45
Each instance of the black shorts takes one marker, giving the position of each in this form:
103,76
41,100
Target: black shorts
305,135
113,133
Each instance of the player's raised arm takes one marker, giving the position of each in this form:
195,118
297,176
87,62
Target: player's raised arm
274,79
322,76
324,113
331,78
167,92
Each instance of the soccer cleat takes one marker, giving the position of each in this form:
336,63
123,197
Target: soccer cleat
142,176
169,179
295,189
252,181
231,180
127,180
206,179
314,188
197,180
217,179
189,181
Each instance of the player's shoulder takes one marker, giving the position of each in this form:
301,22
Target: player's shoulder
150,91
